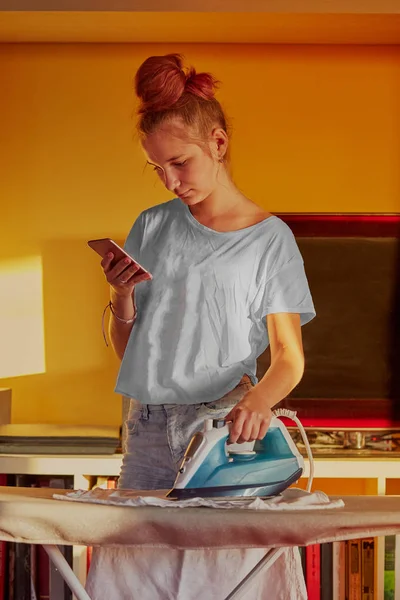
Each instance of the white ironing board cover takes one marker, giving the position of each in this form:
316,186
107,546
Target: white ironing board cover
32,515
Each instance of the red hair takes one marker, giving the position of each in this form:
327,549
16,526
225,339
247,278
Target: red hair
166,90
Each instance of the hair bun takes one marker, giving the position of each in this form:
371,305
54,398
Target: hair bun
161,82
201,84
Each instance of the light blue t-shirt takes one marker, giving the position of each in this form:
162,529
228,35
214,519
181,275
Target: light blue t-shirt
201,319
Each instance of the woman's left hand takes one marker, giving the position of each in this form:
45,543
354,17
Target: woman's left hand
251,418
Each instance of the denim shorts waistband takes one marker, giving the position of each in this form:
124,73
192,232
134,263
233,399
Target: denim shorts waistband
159,407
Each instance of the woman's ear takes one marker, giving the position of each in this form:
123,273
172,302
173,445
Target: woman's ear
219,144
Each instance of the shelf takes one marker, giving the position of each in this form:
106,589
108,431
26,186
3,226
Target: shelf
36,464
377,468
110,464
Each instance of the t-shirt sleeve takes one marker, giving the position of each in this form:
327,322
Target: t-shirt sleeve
283,285
288,291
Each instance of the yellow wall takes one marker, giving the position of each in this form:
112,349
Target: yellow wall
315,129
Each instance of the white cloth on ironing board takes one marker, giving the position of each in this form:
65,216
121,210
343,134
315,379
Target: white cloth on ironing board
126,573
290,499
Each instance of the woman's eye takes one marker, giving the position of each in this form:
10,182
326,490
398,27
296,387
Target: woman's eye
180,164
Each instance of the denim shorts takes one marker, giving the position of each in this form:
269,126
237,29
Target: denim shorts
157,436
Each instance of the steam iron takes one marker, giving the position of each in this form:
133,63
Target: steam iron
211,468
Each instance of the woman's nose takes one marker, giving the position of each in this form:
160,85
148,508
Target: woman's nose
171,181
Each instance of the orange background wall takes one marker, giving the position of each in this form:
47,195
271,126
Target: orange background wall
314,129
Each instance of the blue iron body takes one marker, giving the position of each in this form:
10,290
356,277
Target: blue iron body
211,467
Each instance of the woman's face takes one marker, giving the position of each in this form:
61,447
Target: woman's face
187,169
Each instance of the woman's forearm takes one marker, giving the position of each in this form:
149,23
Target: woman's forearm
124,307
281,378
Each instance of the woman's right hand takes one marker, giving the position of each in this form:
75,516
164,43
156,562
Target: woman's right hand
122,276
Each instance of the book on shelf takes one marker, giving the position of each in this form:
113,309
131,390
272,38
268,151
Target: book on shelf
392,568
346,570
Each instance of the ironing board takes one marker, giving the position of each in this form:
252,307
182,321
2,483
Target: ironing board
31,515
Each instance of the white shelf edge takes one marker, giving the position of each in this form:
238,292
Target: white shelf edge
110,464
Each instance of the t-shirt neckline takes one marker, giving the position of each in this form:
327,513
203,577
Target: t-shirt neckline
204,228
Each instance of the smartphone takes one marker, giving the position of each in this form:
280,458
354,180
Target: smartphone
106,245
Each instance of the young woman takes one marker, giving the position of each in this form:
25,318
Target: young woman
227,280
